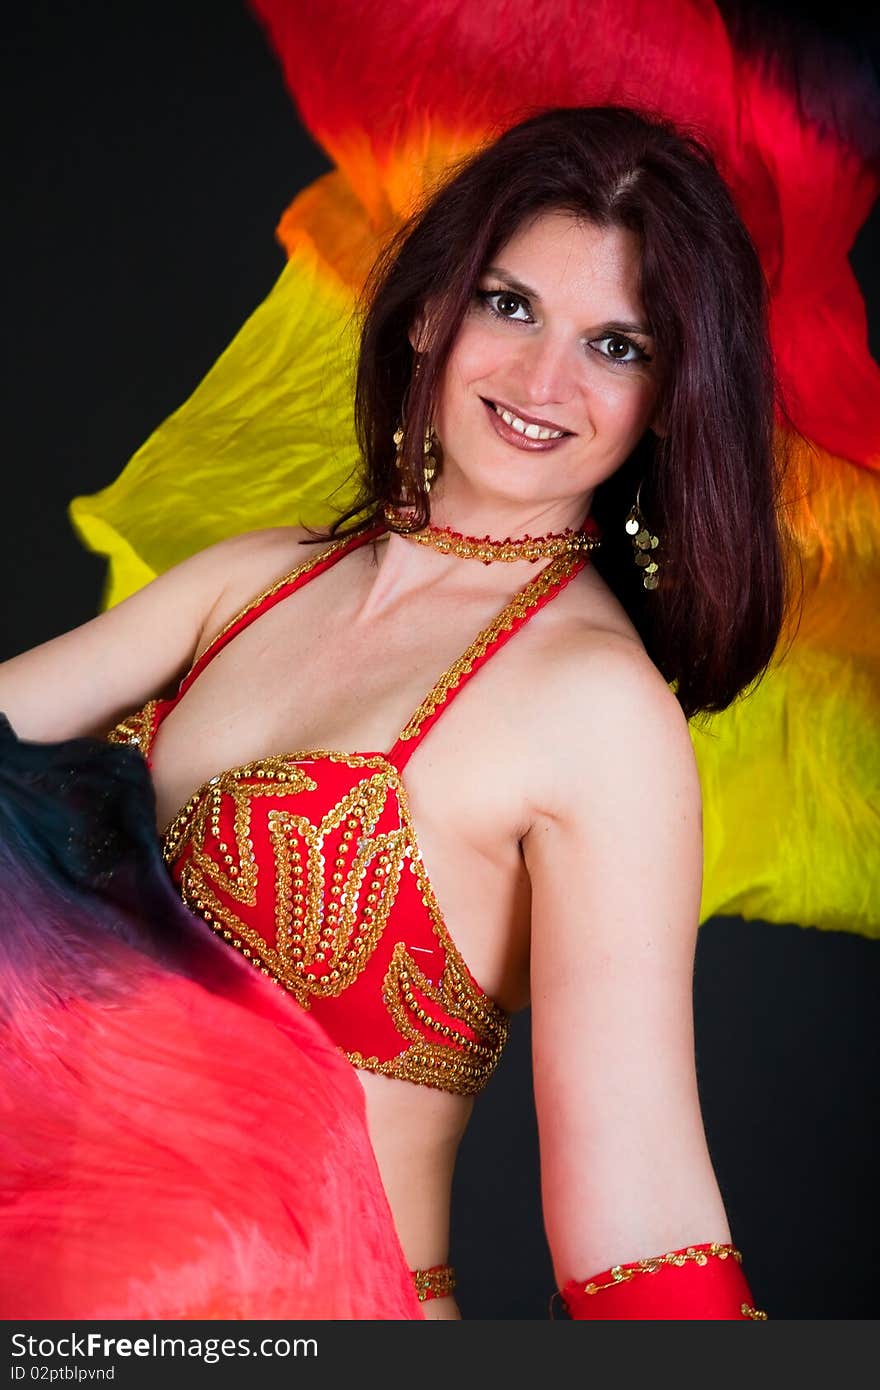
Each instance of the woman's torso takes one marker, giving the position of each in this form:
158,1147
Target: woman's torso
305,675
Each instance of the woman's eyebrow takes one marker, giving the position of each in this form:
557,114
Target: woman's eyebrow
617,326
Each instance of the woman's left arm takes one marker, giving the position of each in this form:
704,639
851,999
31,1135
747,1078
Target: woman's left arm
614,855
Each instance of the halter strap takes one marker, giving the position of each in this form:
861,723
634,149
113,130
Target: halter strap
309,569
539,591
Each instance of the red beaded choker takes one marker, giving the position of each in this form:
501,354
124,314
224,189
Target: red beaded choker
533,548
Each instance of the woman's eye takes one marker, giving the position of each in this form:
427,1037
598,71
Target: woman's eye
506,304
626,352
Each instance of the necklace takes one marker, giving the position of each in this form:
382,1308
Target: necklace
533,548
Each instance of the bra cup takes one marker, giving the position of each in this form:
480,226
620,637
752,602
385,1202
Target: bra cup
309,865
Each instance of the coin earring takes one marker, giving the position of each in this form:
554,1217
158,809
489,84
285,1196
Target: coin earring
430,458
644,543
431,461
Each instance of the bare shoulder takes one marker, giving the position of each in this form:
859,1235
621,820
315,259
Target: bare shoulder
607,715
252,556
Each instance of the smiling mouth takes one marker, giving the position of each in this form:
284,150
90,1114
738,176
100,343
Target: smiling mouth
527,426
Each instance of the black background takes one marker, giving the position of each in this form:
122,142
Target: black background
153,149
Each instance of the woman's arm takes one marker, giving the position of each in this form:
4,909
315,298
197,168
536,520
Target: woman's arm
614,855
86,679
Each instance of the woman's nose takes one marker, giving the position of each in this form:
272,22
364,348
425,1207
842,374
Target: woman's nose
548,369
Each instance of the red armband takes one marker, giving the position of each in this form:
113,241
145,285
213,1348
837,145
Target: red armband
698,1281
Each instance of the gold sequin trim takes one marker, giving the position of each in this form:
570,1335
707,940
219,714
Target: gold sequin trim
437,1282
518,607
620,1273
136,729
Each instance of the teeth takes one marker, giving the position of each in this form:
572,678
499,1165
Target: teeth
530,431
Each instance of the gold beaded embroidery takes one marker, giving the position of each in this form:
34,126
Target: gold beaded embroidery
198,822
620,1273
464,1063
518,607
137,728
344,926
437,1282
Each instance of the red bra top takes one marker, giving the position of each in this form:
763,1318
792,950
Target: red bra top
308,863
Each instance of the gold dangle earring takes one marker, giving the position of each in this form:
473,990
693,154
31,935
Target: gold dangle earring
643,544
431,461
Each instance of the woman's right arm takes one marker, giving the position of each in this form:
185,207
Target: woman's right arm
85,680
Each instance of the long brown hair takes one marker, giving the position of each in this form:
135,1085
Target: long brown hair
711,488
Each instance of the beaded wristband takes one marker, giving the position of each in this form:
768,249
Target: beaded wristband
436,1282
695,1282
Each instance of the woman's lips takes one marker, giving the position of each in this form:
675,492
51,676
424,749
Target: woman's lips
521,441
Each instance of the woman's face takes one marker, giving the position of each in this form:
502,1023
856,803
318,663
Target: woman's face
557,339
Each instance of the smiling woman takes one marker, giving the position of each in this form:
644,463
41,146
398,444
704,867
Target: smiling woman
549,352
364,793
588,272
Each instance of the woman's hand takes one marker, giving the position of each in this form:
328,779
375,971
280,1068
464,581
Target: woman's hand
615,859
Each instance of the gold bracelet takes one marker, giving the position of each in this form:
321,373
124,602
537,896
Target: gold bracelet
436,1282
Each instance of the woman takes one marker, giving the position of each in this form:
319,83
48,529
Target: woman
565,407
